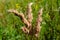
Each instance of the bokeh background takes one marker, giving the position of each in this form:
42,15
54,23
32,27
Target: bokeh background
10,25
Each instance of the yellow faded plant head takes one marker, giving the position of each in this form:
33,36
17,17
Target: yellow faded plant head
17,6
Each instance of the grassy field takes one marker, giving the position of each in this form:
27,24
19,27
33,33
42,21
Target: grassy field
10,25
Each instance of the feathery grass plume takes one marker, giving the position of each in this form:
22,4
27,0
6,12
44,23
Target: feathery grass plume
29,12
28,28
21,15
38,22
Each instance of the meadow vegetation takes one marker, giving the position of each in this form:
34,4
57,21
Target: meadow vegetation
10,25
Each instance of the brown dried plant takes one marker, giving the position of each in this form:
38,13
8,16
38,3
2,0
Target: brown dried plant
28,28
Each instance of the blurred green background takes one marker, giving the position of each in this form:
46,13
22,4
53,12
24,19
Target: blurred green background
10,25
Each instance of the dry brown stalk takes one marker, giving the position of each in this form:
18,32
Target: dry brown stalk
28,28
25,30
